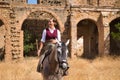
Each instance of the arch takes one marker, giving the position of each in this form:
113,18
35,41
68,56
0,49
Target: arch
1,23
32,31
87,15
97,20
5,21
114,42
111,17
46,11
37,27
4,45
87,28
87,19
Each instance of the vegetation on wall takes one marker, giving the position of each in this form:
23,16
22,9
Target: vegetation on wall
116,35
29,42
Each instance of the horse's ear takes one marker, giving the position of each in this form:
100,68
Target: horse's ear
68,41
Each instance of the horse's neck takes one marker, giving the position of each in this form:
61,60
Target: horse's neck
52,55
52,60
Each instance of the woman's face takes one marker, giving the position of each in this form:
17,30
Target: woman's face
51,23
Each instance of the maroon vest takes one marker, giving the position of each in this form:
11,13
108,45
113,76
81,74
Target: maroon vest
50,35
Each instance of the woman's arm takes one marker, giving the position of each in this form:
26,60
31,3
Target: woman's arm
40,48
42,42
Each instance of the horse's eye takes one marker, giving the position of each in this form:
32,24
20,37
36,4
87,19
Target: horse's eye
59,50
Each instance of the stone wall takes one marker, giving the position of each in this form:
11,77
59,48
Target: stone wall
16,18
2,36
95,3
108,3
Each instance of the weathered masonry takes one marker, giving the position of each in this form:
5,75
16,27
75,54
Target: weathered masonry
87,23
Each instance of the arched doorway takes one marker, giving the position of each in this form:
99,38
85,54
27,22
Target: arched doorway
33,27
2,40
114,42
87,30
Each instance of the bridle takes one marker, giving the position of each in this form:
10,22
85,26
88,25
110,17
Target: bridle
62,56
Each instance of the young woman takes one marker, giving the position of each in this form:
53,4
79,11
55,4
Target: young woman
50,37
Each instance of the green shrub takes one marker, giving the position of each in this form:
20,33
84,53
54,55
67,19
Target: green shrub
116,35
29,42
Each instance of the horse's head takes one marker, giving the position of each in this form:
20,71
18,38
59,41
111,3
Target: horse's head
56,62
62,54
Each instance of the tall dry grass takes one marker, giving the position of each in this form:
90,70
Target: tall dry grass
106,68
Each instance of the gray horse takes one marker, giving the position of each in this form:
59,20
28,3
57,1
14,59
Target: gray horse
55,63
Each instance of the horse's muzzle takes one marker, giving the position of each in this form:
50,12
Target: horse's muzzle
64,65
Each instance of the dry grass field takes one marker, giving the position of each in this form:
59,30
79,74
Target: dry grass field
107,68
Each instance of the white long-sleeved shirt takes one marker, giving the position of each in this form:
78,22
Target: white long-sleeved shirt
43,39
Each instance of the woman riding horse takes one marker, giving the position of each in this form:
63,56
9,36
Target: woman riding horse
51,36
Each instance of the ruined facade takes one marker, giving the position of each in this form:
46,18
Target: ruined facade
86,20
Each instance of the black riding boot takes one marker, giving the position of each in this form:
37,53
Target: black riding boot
40,64
42,57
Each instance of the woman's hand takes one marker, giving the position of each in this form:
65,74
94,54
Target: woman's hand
53,40
38,52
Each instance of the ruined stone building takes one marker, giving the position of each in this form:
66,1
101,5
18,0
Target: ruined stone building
87,23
